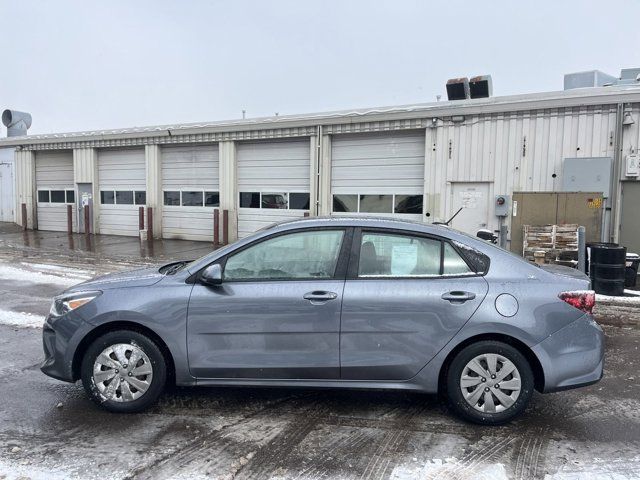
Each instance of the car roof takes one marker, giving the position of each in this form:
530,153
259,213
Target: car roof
359,221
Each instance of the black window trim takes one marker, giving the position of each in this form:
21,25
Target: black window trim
341,265
187,189
393,203
354,261
133,192
273,192
49,190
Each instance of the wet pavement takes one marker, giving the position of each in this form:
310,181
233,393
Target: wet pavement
50,430
93,250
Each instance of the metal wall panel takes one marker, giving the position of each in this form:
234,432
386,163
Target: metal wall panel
54,171
519,151
189,168
120,170
271,167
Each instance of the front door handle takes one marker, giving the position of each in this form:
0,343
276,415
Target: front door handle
458,296
320,296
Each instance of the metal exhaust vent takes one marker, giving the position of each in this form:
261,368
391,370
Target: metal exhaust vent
17,123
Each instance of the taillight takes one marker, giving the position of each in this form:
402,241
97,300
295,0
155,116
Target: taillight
583,300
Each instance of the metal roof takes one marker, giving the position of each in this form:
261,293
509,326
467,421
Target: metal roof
511,103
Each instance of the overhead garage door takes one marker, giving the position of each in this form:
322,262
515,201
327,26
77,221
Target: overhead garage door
273,183
122,181
55,190
190,189
378,174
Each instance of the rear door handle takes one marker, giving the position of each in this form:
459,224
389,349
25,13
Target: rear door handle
458,296
320,296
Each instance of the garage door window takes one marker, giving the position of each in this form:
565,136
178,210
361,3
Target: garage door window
191,198
123,197
275,200
377,203
391,255
56,196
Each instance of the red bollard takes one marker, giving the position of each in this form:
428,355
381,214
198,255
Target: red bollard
225,227
216,228
69,219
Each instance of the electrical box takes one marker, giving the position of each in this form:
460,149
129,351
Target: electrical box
633,165
501,205
587,174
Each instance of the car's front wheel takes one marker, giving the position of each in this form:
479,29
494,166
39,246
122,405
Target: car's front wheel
489,382
124,371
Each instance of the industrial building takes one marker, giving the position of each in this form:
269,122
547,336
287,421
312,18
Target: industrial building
421,162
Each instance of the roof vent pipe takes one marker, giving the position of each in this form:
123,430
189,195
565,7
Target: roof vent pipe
17,123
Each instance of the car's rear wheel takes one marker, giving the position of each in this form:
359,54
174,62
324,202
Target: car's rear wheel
489,382
124,371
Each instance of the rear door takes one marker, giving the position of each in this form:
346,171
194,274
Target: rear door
405,297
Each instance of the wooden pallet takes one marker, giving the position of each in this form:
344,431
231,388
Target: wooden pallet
554,240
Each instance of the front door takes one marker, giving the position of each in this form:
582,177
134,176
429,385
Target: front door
405,297
277,312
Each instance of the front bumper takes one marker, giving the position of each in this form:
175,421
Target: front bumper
573,356
60,340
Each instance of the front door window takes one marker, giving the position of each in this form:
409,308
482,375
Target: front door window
295,256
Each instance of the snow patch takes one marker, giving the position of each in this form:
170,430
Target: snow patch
11,470
450,467
21,275
21,319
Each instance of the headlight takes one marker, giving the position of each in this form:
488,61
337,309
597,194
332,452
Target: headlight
65,303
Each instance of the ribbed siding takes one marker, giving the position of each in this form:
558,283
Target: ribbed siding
516,151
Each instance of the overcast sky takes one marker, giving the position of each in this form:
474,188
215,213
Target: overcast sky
83,65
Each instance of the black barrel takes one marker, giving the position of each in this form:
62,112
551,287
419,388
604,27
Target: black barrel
607,268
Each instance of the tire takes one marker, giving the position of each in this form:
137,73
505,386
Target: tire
135,387
503,402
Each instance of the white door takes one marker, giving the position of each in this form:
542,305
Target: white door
190,191
378,174
6,192
473,199
273,183
122,183
55,190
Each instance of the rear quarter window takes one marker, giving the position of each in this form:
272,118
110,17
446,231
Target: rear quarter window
478,261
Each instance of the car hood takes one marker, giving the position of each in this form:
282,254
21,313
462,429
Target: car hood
141,277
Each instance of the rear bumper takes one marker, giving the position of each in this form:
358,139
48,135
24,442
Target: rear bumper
573,356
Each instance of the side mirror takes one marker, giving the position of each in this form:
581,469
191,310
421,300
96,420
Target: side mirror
212,275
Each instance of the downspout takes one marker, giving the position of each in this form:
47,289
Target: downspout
615,181
318,158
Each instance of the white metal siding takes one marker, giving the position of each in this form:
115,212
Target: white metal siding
271,167
54,171
189,168
519,151
120,170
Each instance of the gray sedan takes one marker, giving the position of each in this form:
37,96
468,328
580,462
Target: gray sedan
334,302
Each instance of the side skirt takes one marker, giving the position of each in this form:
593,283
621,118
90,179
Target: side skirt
354,384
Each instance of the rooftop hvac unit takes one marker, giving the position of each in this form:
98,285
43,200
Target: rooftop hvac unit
458,88
481,86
